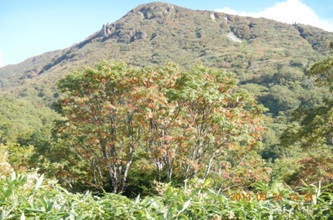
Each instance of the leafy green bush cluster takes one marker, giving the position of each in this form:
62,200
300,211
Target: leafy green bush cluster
32,197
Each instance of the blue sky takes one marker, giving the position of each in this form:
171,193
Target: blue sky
32,27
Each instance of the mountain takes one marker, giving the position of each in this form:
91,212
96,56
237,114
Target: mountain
262,52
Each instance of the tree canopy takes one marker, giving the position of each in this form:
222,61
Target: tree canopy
313,126
192,122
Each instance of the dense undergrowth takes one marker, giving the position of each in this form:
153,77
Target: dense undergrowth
31,196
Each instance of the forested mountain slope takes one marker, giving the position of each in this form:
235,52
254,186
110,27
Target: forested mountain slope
265,54
268,57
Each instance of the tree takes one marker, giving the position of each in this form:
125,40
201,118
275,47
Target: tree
313,126
312,130
99,126
24,123
183,120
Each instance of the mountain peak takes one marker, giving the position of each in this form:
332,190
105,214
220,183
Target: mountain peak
157,32
154,9
130,27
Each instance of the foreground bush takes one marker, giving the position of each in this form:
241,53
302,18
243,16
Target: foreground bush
27,197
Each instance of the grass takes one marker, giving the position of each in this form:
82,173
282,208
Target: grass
32,197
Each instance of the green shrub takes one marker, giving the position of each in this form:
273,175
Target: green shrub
32,197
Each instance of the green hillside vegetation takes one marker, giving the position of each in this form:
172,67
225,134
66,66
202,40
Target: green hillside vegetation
170,113
266,52
268,57
128,130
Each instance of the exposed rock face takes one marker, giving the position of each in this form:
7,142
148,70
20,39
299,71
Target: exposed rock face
107,30
234,38
155,10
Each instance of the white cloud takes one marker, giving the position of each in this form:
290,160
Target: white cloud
289,11
2,62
